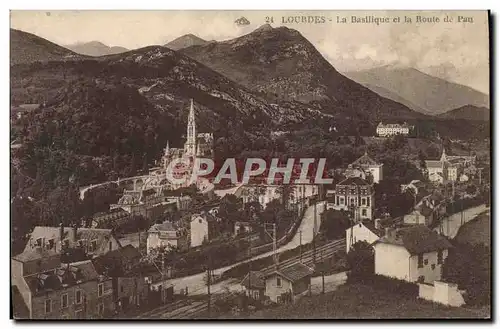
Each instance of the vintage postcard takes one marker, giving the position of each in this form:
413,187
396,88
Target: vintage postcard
250,165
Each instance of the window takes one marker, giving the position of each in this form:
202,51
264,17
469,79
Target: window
342,200
421,279
100,289
363,212
440,257
368,201
48,306
121,289
256,295
39,242
51,243
78,297
93,246
100,309
363,201
338,199
420,260
110,245
278,282
64,300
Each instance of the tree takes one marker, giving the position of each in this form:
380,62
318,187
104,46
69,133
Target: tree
361,260
334,223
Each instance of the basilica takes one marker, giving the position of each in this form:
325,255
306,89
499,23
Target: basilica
156,184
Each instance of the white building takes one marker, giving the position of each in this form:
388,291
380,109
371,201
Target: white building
392,129
413,254
365,166
363,231
202,228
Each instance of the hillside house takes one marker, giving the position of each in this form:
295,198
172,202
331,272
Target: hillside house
166,234
51,290
242,227
288,284
393,129
355,194
255,285
413,254
365,167
363,231
93,241
129,287
203,227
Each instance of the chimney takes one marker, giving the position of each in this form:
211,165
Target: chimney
74,230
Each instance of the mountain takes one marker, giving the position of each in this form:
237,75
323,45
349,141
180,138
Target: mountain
28,48
185,41
95,48
280,64
421,92
468,112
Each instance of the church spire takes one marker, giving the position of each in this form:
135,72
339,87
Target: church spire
190,146
167,149
443,155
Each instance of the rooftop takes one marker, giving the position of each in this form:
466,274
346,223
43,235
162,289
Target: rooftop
353,181
294,272
416,239
256,280
365,160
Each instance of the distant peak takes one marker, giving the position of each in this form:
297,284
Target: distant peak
265,27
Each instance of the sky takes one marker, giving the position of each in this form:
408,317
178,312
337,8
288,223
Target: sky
456,51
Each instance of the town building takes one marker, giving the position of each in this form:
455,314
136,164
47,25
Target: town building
415,187
52,290
92,241
366,168
166,234
392,129
265,193
255,285
288,284
413,254
353,194
447,168
242,227
130,290
203,228
363,231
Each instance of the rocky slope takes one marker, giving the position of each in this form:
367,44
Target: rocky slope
279,63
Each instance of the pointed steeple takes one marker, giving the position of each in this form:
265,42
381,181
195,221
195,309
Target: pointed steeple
167,149
443,155
190,146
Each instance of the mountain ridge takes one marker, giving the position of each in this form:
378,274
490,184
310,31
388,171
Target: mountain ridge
95,48
433,94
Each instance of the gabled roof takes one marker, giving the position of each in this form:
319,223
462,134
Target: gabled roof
166,226
29,255
294,272
62,277
365,160
256,280
354,181
416,239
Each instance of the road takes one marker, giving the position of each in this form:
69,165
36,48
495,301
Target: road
196,284
452,224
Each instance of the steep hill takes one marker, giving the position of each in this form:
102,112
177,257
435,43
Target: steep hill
28,48
468,112
279,63
185,41
434,95
95,48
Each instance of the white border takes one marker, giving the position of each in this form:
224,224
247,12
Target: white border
148,4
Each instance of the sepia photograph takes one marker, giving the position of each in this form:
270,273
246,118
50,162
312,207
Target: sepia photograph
250,164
